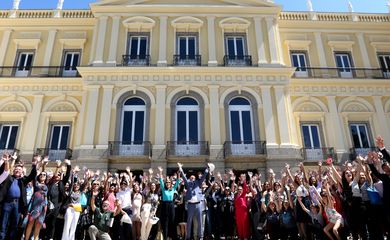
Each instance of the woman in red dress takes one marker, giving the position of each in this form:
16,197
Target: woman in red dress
241,207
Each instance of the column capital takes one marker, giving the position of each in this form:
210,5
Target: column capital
210,17
213,87
108,87
258,18
163,17
103,17
115,17
92,87
265,87
160,87
279,87
270,19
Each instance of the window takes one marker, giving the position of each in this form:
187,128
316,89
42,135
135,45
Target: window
8,134
235,47
240,121
187,121
24,63
298,60
187,47
133,121
138,46
70,62
343,63
59,137
360,137
384,61
311,136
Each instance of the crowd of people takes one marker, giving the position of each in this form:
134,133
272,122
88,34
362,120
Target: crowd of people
330,202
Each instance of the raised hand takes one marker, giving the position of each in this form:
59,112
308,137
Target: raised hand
67,162
287,166
76,169
320,163
379,142
150,171
15,156
160,169
128,170
250,174
180,165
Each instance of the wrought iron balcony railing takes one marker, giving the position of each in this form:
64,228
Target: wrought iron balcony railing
364,73
187,148
244,148
237,60
135,60
130,149
187,60
39,71
55,154
354,152
318,154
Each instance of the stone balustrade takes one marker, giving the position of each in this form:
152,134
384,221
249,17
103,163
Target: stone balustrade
333,17
47,13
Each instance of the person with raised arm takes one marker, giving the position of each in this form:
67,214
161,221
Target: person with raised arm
102,220
13,198
194,197
167,206
335,219
241,207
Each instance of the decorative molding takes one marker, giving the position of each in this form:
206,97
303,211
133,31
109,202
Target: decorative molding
234,24
298,44
78,43
139,23
27,42
345,45
187,23
355,104
348,89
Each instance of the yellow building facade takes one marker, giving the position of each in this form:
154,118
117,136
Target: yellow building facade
148,83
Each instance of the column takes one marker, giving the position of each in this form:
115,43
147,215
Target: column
4,45
214,115
160,115
95,33
114,40
49,50
211,41
80,120
105,117
363,50
162,53
334,124
259,41
290,115
32,125
269,121
272,40
90,117
383,124
283,120
320,49
100,41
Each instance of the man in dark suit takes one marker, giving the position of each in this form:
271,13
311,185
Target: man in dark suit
13,197
195,198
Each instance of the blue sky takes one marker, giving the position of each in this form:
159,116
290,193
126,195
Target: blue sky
372,6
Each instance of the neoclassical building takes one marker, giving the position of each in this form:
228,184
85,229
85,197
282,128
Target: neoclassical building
148,83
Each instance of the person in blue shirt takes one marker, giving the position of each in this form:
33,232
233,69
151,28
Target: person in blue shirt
167,206
194,197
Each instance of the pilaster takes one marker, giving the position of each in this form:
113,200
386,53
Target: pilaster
272,40
260,41
114,40
101,38
211,41
90,117
49,50
363,50
269,121
162,52
335,127
32,124
105,116
214,115
4,45
160,115
283,120
383,124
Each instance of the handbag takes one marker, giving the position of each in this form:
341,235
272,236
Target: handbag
374,196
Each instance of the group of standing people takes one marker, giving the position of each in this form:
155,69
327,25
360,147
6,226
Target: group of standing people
330,202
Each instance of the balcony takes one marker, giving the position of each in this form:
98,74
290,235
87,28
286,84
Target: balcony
244,148
135,60
187,60
55,154
39,71
237,61
359,73
354,152
318,154
130,149
187,148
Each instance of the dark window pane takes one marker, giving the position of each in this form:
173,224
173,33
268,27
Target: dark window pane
346,61
127,127
64,137
134,48
295,60
139,127
306,137
135,101
315,136
355,137
240,47
193,126
239,101
187,101
387,61
12,138
364,136
247,126
339,61
3,137
55,137
181,127
75,63
29,61
22,61
191,48
230,47
302,62
183,47
382,63
235,126
68,61
142,48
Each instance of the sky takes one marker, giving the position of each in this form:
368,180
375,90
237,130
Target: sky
365,6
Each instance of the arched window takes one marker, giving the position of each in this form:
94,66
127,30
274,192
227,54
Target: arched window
240,119
133,122
187,121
